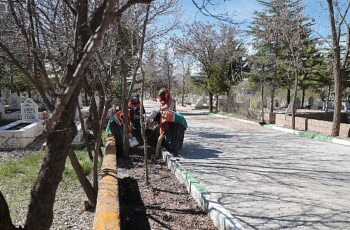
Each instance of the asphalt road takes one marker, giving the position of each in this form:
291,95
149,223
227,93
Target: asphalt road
268,179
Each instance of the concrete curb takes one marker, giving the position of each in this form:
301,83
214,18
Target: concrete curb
309,135
292,131
234,118
221,217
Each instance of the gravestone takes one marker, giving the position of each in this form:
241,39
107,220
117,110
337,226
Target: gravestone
29,110
297,103
14,102
290,108
310,101
97,98
80,100
2,110
194,99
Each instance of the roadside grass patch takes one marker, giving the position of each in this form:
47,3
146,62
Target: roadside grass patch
18,177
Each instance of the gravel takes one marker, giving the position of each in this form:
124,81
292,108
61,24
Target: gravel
69,204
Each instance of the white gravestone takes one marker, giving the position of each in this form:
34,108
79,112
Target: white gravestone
14,102
97,99
290,108
2,110
29,110
80,100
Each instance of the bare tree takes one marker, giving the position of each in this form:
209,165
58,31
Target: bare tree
43,45
202,42
167,67
338,22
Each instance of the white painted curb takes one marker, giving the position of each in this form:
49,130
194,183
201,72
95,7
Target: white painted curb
221,217
235,119
341,141
292,131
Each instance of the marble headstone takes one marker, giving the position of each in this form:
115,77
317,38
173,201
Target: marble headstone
29,110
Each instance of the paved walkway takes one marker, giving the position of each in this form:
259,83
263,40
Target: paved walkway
268,179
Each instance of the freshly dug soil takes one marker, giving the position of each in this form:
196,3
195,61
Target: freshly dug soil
163,204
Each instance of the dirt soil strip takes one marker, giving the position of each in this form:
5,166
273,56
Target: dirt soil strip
163,204
221,217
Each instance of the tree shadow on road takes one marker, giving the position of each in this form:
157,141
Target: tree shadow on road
196,151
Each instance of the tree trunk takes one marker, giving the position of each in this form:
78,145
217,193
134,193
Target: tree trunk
183,91
294,98
337,102
85,183
327,98
126,112
98,151
262,102
303,99
85,134
210,102
5,220
272,97
216,103
86,99
59,139
337,74
169,81
143,132
288,96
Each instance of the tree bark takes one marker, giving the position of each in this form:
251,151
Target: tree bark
337,102
126,112
210,103
85,183
183,91
40,211
337,74
272,97
288,96
85,134
303,99
143,131
327,98
294,98
262,101
5,218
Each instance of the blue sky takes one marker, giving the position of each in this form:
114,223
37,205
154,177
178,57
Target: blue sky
243,11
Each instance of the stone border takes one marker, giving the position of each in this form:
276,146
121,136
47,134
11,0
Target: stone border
221,217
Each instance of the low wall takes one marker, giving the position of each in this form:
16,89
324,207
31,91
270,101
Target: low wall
286,121
14,139
270,118
324,116
107,208
312,125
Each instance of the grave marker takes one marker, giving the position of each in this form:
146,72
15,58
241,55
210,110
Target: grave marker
2,110
29,110
14,102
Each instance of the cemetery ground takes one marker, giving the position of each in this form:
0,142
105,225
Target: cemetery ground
265,178
163,204
18,172
269,179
